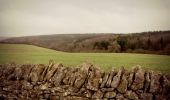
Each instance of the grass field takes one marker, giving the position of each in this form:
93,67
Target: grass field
22,54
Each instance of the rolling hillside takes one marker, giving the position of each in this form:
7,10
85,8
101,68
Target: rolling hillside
24,54
157,42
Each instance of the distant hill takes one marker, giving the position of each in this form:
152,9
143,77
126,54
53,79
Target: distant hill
3,38
157,42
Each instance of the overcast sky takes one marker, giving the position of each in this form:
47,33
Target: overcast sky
35,17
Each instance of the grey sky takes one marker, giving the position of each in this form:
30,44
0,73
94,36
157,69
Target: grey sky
35,17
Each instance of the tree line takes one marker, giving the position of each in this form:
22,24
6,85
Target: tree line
157,42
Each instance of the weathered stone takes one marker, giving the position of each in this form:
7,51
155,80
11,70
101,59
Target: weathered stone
73,77
98,95
51,71
80,83
74,98
14,85
69,72
66,93
54,97
46,96
155,82
165,85
27,85
104,80
138,82
146,96
116,79
93,79
122,88
36,72
109,80
82,90
9,69
130,79
72,89
81,74
147,81
1,70
80,79
107,89
18,73
110,94
85,67
58,76
57,89
139,91
26,70
120,97
88,93
43,86
46,69
131,95
167,75
160,97
21,72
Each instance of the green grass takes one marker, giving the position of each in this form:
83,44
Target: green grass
22,54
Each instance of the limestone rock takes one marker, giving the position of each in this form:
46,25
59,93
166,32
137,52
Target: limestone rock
120,97
21,72
146,96
8,70
88,93
57,89
69,72
130,79
26,70
116,79
155,82
82,74
74,98
138,82
73,77
85,67
43,86
161,97
109,80
131,95
27,82
80,78
18,73
122,88
54,97
110,94
2,68
104,80
107,89
147,81
72,89
93,79
58,76
27,85
165,85
46,69
51,71
98,95
36,72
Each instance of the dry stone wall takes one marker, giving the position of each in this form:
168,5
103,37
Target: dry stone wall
87,82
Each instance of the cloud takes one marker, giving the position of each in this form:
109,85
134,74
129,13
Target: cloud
34,17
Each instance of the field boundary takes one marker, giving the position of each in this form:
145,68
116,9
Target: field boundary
86,82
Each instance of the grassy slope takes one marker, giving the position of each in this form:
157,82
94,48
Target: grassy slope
31,54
